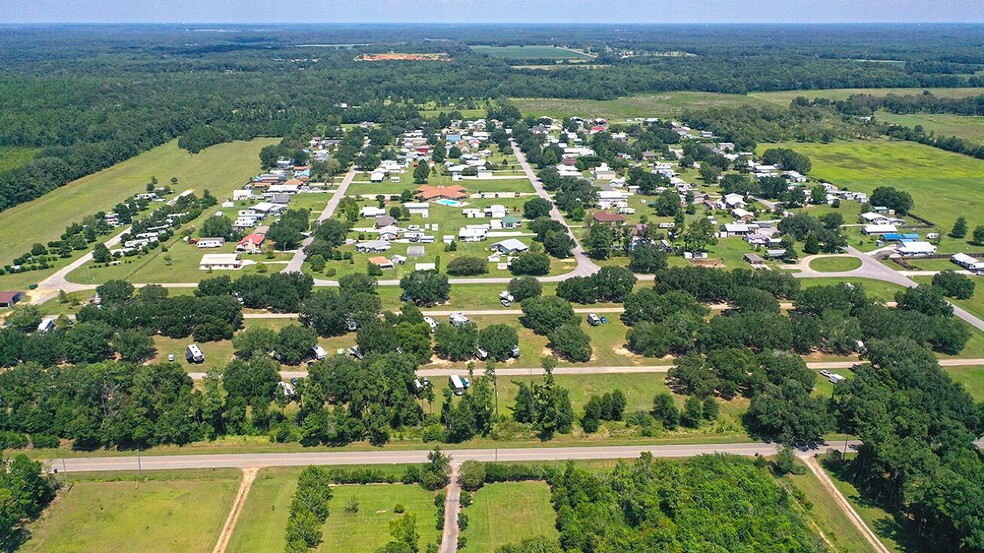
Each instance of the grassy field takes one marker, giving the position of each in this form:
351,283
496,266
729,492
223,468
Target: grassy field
784,98
220,168
508,512
666,104
876,289
968,127
944,185
835,264
178,511
533,51
827,515
368,529
12,157
972,379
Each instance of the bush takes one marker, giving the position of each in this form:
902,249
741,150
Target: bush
12,440
468,265
530,263
45,441
472,475
399,509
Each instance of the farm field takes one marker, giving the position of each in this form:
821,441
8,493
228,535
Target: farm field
534,51
150,512
968,127
835,264
508,512
12,157
939,181
220,168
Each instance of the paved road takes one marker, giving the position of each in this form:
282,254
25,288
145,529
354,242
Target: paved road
49,287
873,269
387,457
628,369
449,537
294,266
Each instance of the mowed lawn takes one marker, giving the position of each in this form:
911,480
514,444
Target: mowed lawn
532,51
508,512
367,530
177,511
971,378
943,185
666,104
262,523
835,264
968,127
220,168
826,514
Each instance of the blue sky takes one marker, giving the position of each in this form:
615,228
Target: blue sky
459,11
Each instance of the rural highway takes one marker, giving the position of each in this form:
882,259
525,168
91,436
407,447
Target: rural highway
389,457
626,369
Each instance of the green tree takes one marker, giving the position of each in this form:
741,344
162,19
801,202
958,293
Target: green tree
498,340
525,287
530,263
421,172
959,228
570,341
100,254
295,343
545,313
665,411
426,287
133,345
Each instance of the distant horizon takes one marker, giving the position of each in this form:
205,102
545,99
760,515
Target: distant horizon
223,24
488,12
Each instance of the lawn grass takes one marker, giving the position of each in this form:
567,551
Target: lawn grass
183,511
508,512
262,523
835,264
971,378
968,127
368,529
875,289
14,157
531,51
220,168
943,185
827,515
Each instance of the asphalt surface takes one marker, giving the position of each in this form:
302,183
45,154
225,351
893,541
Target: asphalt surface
296,262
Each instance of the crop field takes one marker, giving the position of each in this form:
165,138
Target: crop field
508,512
534,51
166,512
221,169
968,127
943,185
12,157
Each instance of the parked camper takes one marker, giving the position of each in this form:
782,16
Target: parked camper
593,320
458,319
287,388
457,384
194,355
433,324
835,378
319,352
481,353
515,351
354,351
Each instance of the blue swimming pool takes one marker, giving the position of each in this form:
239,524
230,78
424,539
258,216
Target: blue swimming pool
450,203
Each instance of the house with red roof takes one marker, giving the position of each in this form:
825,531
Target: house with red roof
608,217
453,192
250,244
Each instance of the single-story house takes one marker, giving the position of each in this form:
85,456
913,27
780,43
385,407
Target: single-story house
873,218
510,221
453,192
418,208
468,234
270,207
757,239
220,262
915,248
968,262
377,176
608,217
384,221
742,215
238,195
8,299
734,200
372,212
879,229
372,246
753,259
737,229
496,211
280,199
214,242
776,253
285,188
251,243
509,246
381,262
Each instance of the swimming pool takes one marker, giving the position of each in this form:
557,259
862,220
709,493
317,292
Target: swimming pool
450,203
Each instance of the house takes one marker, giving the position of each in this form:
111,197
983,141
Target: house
216,242
8,299
285,188
470,234
915,248
47,324
372,212
968,262
754,260
381,262
870,230
245,222
603,172
495,211
757,239
251,243
734,200
795,177
391,232
453,192
742,215
484,173
280,199
509,246
270,207
608,199
220,262
608,218
776,253
377,176
737,229
415,208
372,246
385,221
473,213
510,221
238,195
873,218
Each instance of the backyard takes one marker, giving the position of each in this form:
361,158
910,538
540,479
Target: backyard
508,512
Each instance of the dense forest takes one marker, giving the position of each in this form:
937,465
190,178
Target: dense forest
89,98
